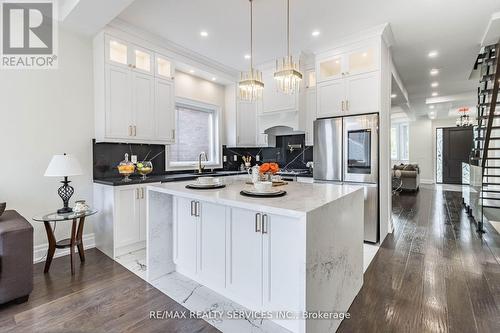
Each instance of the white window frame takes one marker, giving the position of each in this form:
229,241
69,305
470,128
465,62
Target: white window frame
398,126
216,160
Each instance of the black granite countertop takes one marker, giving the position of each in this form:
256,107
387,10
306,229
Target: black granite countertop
174,177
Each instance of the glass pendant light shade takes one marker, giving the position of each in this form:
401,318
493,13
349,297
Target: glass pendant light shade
288,75
251,85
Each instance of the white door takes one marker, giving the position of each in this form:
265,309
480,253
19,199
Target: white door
282,260
363,93
330,98
143,106
127,224
212,244
118,102
185,235
245,257
246,120
310,115
164,110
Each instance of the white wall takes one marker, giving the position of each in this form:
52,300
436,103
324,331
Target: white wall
195,88
422,145
44,112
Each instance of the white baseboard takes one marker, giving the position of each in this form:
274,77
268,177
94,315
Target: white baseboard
40,251
427,181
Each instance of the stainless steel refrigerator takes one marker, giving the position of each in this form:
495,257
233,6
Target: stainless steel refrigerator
346,151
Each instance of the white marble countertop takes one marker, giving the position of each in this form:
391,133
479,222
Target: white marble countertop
300,199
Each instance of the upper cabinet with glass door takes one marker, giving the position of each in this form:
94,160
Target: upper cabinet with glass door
163,67
347,61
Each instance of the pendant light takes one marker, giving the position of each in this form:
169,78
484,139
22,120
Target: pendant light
287,75
251,85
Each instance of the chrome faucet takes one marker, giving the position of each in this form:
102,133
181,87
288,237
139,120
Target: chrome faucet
200,167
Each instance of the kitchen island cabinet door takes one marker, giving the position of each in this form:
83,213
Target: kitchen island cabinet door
283,265
245,257
185,235
212,244
127,225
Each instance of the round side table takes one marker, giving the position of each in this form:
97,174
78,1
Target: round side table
74,240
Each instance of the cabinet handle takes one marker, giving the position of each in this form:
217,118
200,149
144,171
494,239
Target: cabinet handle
197,208
173,134
142,192
264,224
137,193
342,105
257,222
133,66
192,208
347,105
129,130
135,130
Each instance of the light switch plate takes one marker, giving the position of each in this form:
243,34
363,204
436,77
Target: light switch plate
257,158
235,158
133,159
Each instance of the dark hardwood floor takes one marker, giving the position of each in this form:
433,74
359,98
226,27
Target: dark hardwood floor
434,274
102,296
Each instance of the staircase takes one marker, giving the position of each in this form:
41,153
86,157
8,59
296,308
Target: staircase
486,152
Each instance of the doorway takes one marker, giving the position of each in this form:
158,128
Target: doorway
453,147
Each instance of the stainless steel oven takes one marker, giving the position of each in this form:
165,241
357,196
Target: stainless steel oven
361,149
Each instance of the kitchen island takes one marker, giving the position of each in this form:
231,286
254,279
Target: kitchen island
282,257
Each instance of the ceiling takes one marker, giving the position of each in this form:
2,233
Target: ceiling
452,27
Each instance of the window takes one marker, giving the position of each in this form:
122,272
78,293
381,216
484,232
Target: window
399,142
197,131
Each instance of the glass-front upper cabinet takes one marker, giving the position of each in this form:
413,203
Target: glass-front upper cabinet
164,67
330,68
117,51
311,79
361,61
142,60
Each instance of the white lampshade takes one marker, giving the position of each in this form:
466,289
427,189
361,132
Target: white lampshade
63,166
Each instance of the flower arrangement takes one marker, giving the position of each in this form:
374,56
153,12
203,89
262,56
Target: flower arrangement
269,169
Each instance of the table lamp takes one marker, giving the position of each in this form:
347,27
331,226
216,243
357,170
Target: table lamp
64,166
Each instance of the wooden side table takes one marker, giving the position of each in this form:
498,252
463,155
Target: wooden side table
78,221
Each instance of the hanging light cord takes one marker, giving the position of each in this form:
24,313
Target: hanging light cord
288,26
251,37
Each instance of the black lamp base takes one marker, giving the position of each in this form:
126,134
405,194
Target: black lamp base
65,210
65,192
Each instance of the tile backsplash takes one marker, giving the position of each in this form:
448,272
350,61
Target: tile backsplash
106,156
295,158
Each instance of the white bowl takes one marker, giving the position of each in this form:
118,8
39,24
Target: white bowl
208,180
263,186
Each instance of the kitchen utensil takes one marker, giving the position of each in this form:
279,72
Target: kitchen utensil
144,168
254,173
126,168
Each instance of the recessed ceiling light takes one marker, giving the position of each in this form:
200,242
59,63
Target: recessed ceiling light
433,54
365,54
434,72
434,84
203,33
434,94
214,78
431,107
315,33
394,95
191,71
247,56
337,61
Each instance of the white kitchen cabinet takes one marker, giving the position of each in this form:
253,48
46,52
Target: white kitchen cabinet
200,240
352,95
274,100
281,269
345,61
134,93
212,244
245,256
310,115
362,93
118,117
185,225
128,227
246,124
123,210
164,104
331,97
143,106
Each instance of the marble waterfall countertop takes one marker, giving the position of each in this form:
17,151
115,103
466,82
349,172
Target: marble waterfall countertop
300,198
